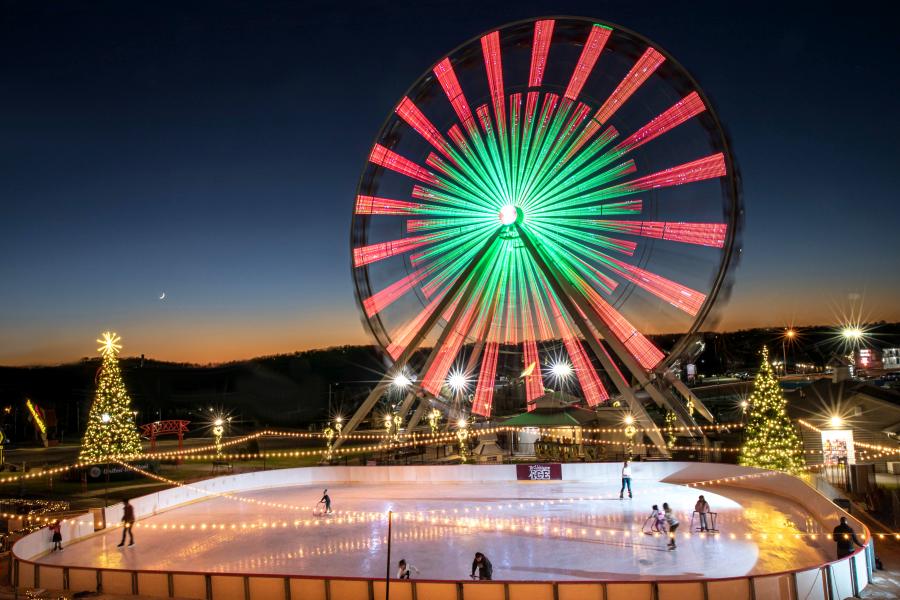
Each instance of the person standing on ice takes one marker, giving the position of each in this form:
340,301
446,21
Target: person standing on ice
626,479
128,522
56,530
327,500
672,522
702,508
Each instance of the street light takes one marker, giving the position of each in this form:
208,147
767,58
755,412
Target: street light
401,381
329,397
457,381
789,334
852,333
561,370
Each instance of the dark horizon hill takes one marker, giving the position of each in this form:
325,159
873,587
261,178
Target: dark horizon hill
294,390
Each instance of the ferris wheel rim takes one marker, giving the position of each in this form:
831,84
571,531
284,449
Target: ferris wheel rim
730,184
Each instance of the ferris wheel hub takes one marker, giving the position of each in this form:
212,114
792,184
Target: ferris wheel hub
510,214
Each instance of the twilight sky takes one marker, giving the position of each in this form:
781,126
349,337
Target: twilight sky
211,151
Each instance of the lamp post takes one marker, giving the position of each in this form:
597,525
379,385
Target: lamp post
462,434
789,335
330,385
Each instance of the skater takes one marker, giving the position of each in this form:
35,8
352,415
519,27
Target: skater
128,520
844,536
702,508
626,480
327,500
484,567
656,520
672,523
56,530
403,569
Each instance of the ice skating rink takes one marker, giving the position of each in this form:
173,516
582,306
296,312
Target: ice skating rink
529,530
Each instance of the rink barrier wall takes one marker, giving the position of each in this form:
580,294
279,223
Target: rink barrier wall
830,581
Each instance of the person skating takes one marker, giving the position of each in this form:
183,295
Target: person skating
626,480
672,524
483,566
56,531
844,536
128,520
657,520
327,500
403,569
702,508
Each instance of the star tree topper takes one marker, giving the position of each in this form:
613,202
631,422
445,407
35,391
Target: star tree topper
109,344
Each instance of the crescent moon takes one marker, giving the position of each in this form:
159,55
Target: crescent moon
163,297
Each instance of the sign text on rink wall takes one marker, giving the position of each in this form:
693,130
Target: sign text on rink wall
543,472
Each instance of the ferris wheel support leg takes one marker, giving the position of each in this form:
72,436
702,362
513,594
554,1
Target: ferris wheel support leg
363,411
420,412
406,405
661,398
568,300
688,395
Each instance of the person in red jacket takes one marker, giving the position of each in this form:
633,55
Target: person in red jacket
128,520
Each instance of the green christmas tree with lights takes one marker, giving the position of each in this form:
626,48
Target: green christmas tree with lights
111,430
771,441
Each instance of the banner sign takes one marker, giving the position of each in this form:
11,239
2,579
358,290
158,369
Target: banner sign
543,472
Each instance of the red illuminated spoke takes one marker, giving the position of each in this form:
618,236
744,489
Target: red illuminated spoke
543,32
702,234
410,113
677,295
381,300
639,346
391,160
705,168
591,386
687,108
589,54
365,255
698,170
405,333
447,78
484,389
370,205
639,73
434,378
493,64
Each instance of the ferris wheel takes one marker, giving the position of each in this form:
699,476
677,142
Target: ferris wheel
555,186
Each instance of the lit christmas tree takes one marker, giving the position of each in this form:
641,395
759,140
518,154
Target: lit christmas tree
111,430
771,442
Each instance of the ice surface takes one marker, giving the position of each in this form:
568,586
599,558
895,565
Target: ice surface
529,530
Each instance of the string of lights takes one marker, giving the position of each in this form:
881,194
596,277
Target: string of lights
197,453
878,448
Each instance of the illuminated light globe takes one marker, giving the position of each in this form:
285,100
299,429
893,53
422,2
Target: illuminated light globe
553,186
401,381
562,369
509,214
457,382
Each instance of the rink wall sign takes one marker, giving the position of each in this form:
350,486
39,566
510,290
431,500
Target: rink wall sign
539,472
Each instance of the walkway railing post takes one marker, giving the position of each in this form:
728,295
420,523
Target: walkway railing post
387,576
